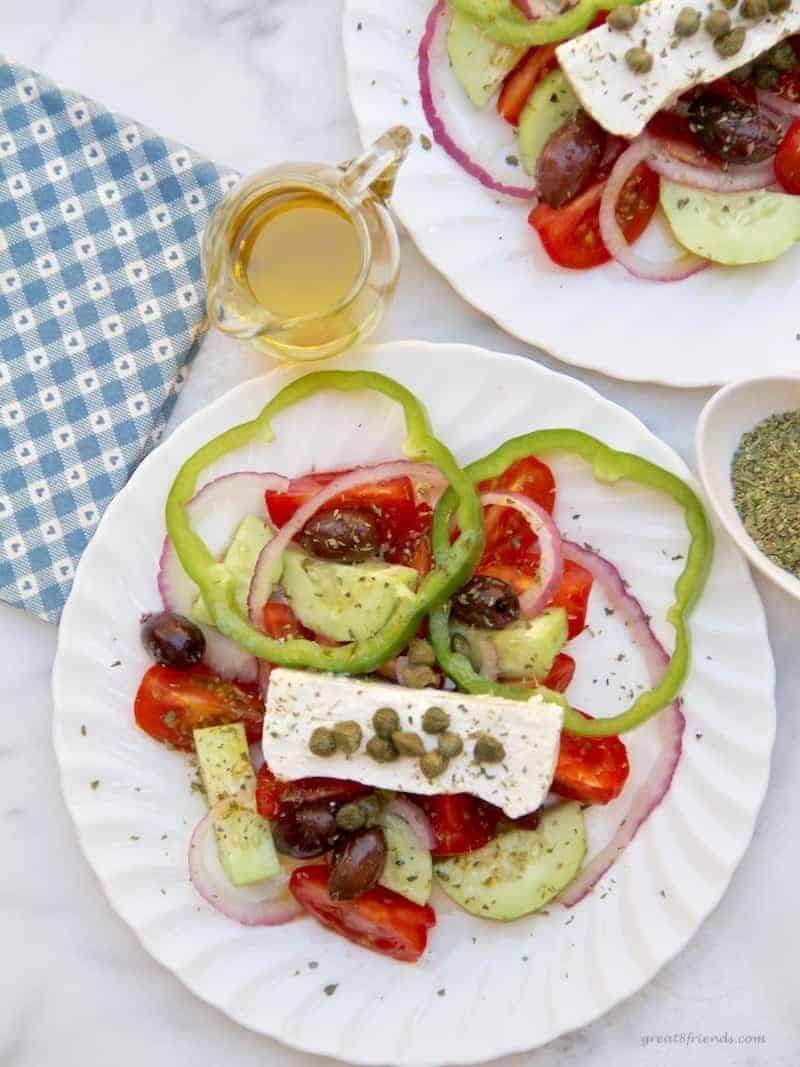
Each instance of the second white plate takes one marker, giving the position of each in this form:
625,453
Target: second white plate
722,324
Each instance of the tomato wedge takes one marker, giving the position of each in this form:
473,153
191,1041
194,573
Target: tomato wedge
592,770
280,621
561,673
395,495
787,160
461,823
273,796
523,79
268,792
508,535
170,704
379,919
573,595
571,234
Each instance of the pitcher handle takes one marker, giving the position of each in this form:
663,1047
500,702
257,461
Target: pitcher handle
374,172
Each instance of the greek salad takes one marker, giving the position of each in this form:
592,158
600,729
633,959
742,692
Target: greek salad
598,112
371,668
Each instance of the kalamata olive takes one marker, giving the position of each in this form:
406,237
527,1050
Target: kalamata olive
173,639
306,830
733,130
570,159
344,534
357,863
487,602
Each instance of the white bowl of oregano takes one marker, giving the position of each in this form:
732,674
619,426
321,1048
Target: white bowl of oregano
748,454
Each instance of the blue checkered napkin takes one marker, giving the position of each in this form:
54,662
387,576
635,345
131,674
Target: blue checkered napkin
100,303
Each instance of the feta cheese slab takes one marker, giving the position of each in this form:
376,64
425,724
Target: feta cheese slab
623,102
300,701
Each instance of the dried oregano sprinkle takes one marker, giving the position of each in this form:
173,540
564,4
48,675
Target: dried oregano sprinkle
766,487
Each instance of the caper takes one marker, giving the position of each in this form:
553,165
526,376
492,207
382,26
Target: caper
433,764
488,750
730,43
623,17
385,721
718,23
322,742
776,6
754,9
418,677
766,78
420,653
381,749
371,807
741,74
350,817
688,22
408,743
347,736
783,57
450,745
639,60
435,721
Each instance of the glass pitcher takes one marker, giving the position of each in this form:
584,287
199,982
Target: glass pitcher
301,259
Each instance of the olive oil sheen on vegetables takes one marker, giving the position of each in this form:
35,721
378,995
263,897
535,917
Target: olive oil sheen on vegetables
299,252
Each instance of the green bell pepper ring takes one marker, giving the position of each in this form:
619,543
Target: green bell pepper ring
609,466
503,21
454,564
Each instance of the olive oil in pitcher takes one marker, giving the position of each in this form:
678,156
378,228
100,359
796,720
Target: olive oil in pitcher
299,253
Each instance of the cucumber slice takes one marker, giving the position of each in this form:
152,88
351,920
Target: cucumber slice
408,870
245,846
732,228
518,872
240,560
549,106
479,62
244,839
344,601
526,648
223,758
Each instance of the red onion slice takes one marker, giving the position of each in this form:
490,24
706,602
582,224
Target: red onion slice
778,104
637,152
416,818
734,179
551,564
262,582
267,903
669,722
536,10
215,511
479,142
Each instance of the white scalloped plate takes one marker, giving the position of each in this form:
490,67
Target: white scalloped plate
507,987
722,324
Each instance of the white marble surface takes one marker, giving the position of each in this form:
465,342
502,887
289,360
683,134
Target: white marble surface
250,82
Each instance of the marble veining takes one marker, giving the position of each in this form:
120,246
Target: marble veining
250,83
